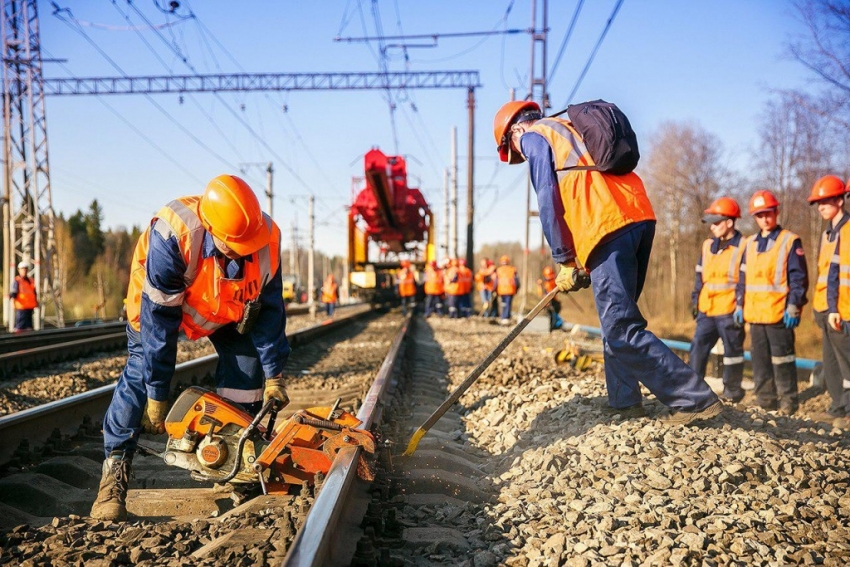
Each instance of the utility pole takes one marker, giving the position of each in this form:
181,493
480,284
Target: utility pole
454,246
292,249
470,182
269,174
446,217
537,91
311,284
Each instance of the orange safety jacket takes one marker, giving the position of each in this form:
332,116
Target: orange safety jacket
827,255
464,279
210,300
406,283
434,282
843,272
766,280
27,297
548,283
329,292
451,287
485,280
506,280
719,278
595,204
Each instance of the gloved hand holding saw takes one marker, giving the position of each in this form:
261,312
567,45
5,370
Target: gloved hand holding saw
276,388
153,418
571,278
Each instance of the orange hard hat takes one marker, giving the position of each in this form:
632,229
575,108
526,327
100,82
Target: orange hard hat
405,263
548,271
504,261
722,208
331,278
826,187
505,117
763,201
230,211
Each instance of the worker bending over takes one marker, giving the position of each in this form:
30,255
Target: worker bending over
831,302
605,222
770,295
207,265
713,298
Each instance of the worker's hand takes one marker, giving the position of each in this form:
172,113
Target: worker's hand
694,312
834,320
792,317
276,388
738,316
153,418
571,278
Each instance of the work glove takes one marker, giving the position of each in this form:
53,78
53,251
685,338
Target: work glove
834,320
153,418
571,278
792,317
276,388
694,312
738,316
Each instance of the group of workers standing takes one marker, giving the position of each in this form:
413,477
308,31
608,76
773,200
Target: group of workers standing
761,280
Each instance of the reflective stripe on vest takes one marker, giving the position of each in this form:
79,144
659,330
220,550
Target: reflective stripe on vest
506,280
595,204
766,288
826,256
719,278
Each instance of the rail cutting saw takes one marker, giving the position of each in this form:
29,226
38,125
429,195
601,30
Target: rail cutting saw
217,441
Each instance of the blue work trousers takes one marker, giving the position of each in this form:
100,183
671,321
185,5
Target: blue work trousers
774,366
487,309
722,327
465,305
452,304
433,305
329,308
239,375
407,303
633,355
505,301
23,320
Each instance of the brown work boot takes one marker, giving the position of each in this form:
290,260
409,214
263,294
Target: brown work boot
686,417
112,495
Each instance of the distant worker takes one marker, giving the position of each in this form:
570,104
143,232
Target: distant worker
485,281
330,294
606,222
465,278
507,285
24,297
453,286
713,298
831,302
434,289
406,286
545,285
770,296
207,265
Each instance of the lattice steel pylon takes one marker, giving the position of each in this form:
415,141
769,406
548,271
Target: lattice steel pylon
28,219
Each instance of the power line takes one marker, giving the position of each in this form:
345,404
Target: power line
566,40
593,53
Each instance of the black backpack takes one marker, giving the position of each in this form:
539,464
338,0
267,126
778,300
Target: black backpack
608,136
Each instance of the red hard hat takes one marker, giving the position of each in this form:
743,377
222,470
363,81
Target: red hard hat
826,187
504,260
405,263
763,201
548,271
723,207
229,210
462,261
502,122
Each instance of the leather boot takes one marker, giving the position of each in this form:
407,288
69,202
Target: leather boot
112,495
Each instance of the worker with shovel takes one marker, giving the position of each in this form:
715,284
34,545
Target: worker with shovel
596,214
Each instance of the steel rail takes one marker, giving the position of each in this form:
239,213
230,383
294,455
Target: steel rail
20,360
67,414
32,339
317,540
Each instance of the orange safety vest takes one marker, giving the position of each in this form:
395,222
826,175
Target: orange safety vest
844,272
465,279
548,283
452,288
210,300
406,283
595,204
766,279
27,297
719,278
434,282
506,280
826,254
329,292
484,279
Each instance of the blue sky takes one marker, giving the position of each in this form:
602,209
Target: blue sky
710,62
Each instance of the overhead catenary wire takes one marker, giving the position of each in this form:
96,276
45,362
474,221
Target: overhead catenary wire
593,53
566,40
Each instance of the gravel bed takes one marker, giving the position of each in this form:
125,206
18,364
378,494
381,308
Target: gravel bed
352,360
54,382
576,485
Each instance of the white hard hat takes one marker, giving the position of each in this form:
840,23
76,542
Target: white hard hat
23,265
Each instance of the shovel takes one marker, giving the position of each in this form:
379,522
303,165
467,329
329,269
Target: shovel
478,371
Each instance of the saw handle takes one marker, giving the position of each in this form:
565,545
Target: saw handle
273,405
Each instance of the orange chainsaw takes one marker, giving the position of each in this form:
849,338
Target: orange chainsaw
217,441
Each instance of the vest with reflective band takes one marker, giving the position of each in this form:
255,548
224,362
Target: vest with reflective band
548,283
434,282
506,284
719,278
766,279
595,204
484,279
26,298
210,300
406,283
329,292
826,255
844,272
465,279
